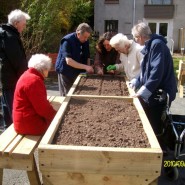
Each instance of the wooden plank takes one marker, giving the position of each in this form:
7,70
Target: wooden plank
57,101
155,182
1,176
100,160
126,98
56,178
6,138
181,91
17,164
181,78
181,68
47,181
51,98
131,91
48,136
13,145
146,125
26,146
33,175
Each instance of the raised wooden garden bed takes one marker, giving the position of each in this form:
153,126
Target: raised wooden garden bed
81,161
106,85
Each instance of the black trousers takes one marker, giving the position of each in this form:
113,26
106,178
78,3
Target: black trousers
154,114
7,106
64,84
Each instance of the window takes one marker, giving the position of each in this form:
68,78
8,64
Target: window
159,28
111,1
111,25
153,27
159,2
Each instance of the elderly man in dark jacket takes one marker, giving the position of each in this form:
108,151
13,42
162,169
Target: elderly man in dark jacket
13,59
156,81
156,77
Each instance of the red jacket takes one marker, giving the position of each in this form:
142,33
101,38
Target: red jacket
32,112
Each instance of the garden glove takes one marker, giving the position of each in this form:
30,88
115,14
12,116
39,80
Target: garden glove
111,67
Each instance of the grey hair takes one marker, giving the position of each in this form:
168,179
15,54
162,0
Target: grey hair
40,62
141,29
83,27
119,40
17,16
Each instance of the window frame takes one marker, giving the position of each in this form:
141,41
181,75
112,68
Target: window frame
162,2
114,23
111,1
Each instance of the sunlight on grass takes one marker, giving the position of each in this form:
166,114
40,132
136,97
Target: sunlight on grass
176,60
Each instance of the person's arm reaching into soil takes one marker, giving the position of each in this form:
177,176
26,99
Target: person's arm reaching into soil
77,65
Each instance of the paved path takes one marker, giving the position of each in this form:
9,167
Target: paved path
17,177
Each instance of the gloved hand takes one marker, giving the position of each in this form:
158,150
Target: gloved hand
111,67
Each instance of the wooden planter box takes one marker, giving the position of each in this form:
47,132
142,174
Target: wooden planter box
92,87
86,165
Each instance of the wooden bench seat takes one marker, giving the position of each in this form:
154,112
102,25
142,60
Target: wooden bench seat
17,151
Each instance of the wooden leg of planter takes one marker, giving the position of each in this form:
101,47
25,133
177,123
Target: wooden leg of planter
1,175
181,91
155,182
33,175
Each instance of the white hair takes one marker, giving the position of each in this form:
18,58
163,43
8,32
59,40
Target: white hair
17,16
119,40
40,62
141,29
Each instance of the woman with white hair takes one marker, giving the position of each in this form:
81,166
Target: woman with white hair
130,56
12,58
32,112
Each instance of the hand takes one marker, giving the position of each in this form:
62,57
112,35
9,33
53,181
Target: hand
89,69
100,72
111,67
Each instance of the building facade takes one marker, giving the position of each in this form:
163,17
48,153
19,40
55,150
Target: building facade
165,17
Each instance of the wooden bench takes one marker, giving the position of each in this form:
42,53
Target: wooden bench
181,78
17,151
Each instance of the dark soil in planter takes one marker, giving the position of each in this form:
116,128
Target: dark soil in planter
101,122
102,85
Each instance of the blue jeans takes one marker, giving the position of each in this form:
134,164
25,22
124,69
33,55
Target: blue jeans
7,105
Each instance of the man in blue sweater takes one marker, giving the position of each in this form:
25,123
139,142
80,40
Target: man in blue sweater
157,75
73,57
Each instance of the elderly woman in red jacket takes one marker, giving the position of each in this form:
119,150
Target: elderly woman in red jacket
32,113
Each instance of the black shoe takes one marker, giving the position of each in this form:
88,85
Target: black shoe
172,173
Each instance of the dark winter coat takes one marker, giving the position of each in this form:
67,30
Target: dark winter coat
157,70
12,56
